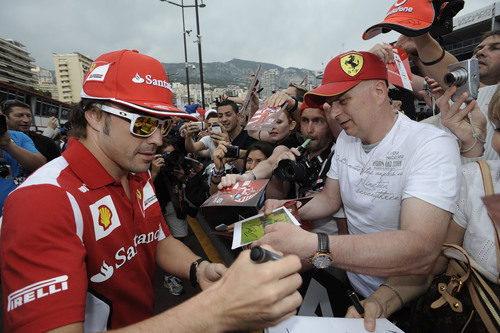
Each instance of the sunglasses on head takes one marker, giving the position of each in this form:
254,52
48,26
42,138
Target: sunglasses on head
140,125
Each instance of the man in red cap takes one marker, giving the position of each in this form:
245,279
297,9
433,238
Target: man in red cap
397,179
81,236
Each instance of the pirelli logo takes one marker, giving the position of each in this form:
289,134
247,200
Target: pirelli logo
36,291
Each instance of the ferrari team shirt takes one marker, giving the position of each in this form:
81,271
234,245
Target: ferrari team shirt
74,248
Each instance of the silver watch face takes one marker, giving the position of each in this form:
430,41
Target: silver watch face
322,261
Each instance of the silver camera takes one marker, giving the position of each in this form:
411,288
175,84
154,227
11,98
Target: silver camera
464,75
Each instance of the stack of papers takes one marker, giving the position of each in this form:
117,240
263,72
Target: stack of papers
302,324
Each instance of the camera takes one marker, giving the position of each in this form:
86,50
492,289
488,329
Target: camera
199,124
216,128
3,124
303,171
464,75
4,169
175,159
232,151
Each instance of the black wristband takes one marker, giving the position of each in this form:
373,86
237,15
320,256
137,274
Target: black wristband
192,271
430,63
292,110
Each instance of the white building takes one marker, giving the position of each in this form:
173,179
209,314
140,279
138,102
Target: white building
70,69
16,64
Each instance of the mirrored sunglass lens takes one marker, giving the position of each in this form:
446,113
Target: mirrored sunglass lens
166,127
145,126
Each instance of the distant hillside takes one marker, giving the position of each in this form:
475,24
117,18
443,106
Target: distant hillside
235,71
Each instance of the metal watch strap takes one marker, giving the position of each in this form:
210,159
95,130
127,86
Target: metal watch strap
323,243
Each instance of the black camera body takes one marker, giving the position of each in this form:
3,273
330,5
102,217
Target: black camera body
303,171
3,124
5,171
174,160
232,151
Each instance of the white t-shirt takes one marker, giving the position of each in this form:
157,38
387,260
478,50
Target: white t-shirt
479,240
209,144
413,160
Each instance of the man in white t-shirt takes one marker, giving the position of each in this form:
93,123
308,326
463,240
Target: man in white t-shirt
397,179
206,143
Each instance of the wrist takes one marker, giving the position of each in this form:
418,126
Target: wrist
382,306
292,108
218,315
194,270
309,246
8,146
471,148
250,174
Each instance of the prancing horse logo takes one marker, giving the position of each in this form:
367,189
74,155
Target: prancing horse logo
351,64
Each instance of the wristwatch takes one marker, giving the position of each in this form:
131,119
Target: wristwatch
322,258
193,269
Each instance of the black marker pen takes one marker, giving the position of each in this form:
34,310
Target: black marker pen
259,254
355,301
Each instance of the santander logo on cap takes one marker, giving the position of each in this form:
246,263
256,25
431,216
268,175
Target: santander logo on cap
137,78
149,80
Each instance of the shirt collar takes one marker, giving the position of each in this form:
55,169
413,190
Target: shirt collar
86,166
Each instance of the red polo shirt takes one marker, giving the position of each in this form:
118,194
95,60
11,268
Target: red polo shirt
74,248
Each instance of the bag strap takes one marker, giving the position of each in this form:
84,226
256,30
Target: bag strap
487,180
459,276
485,302
488,190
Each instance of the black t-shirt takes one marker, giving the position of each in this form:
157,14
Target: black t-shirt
46,146
243,140
293,140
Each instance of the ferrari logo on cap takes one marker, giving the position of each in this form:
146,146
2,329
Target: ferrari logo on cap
105,217
351,64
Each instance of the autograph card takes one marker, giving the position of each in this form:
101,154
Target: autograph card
399,71
252,228
264,118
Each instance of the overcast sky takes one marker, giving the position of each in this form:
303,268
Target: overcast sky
304,34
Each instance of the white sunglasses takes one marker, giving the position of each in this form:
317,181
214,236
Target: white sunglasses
140,125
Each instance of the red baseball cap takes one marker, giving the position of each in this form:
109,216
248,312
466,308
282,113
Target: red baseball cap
408,17
344,72
132,79
304,106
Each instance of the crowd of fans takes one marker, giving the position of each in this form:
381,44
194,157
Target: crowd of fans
386,191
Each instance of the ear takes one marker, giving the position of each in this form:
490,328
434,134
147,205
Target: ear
292,125
95,119
380,92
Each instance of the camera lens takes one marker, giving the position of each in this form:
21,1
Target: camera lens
456,78
289,170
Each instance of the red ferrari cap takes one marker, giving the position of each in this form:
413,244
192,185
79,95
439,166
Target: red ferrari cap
408,17
132,79
344,72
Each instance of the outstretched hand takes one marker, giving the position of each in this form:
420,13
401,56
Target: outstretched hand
279,99
384,52
457,119
256,295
